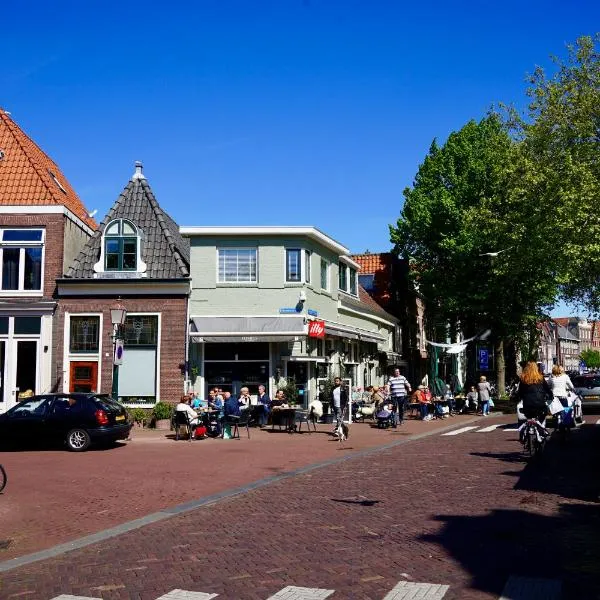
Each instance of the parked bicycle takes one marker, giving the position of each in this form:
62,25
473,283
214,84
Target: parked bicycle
3,478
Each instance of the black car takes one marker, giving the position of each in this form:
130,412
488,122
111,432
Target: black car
76,420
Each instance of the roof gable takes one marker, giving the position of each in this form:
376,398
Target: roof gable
165,252
29,177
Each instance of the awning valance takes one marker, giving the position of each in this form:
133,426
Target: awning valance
353,333
247,329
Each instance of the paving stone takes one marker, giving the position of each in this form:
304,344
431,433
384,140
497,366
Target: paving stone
301,593
408,590
183,595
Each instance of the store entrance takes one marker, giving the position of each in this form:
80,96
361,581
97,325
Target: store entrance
299,371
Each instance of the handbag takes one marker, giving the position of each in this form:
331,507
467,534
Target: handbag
555,406
491,403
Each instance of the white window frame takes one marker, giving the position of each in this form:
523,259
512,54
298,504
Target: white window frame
141,266
237,249
327,264
69,357
305,257
347,289
22,245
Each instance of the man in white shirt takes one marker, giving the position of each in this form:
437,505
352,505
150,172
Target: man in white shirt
398,388
339,398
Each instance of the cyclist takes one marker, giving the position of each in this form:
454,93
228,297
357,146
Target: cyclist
561,383
535,392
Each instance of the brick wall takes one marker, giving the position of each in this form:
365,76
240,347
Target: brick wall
172,338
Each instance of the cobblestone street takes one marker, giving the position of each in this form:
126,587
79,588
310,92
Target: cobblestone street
442,516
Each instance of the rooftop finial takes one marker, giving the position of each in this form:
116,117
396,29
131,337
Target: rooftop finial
138,170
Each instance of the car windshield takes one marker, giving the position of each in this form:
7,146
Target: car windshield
35,406
107,403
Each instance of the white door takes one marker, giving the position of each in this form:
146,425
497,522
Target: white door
19,367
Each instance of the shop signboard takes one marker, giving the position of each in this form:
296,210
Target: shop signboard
316,329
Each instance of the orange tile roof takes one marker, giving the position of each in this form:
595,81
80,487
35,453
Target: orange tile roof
26,174
371,263
564,321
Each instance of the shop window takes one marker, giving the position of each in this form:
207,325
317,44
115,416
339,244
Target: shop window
21,259
237,265
84,334
3,325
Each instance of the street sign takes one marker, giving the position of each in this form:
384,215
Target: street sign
484,359
313,313
118,357
287,311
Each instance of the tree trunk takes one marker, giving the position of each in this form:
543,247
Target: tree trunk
500,368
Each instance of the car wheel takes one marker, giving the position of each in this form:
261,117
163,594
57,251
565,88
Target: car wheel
78,440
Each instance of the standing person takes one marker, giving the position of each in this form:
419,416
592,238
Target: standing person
484,390
264,403
398,387
339,398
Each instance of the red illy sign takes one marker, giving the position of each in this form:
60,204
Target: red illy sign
316,329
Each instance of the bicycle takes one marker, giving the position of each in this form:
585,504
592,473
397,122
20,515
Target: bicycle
533,436
3,478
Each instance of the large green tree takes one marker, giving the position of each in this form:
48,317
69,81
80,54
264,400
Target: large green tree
560,135
462,207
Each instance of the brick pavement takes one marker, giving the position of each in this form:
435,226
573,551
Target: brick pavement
464,511
57,496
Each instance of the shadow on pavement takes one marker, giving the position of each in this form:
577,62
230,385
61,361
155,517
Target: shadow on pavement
525,541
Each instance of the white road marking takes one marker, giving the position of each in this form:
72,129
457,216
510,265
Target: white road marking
597,422
69,597
528,588
490,428
511,429
461,430
183,595
406,590
291,592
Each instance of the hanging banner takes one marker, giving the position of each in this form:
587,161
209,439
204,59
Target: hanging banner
118,357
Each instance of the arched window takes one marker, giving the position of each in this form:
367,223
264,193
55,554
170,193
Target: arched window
121,241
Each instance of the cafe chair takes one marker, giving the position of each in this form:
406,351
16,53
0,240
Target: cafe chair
182,419
236,422
302,416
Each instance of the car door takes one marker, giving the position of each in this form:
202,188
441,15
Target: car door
25,423
64,415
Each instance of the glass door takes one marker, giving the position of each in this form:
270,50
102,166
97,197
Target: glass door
26,367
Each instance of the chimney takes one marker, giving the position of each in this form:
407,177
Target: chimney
138,170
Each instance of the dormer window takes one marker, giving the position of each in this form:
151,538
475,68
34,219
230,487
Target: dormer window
121,248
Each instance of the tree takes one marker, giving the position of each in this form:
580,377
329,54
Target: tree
461,207
591,358
560,136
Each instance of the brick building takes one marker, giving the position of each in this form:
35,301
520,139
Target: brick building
137,260
43,226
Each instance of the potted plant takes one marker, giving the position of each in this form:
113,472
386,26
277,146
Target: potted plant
140,416
161,415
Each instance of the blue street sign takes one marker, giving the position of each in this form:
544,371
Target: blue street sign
313,313
287,311
484,359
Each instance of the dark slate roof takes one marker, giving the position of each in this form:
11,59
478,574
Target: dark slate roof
165,252
364,303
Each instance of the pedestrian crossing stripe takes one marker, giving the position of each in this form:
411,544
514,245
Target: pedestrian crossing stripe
598,422
406,590
461,430
528,588
183,595
292,592
490,428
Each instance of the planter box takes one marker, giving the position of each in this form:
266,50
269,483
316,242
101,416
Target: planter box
163,424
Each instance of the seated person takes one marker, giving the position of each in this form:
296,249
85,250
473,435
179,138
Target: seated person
214,401
264,405
421,398
184,406
231,406
244,398
471,400
378,397
198,403
279,399
384,415
449,398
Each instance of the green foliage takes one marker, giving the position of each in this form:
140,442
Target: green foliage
140,416
162,410
591,358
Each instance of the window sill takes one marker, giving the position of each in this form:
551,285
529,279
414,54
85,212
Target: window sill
21,293
229,284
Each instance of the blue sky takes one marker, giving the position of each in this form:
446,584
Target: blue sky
268,112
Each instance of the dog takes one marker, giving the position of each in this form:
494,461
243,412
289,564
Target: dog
342,431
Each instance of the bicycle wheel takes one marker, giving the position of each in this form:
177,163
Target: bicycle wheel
3,478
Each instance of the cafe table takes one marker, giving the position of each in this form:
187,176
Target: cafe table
287,416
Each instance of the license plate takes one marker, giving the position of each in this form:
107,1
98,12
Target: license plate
120,418
590,398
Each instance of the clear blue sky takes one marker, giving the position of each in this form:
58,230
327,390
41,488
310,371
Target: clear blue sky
253,112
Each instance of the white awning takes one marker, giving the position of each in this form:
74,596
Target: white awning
247,329
353,333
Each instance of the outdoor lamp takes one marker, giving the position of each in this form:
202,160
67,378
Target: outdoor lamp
117,317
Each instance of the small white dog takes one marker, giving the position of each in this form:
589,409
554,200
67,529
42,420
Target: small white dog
342,431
